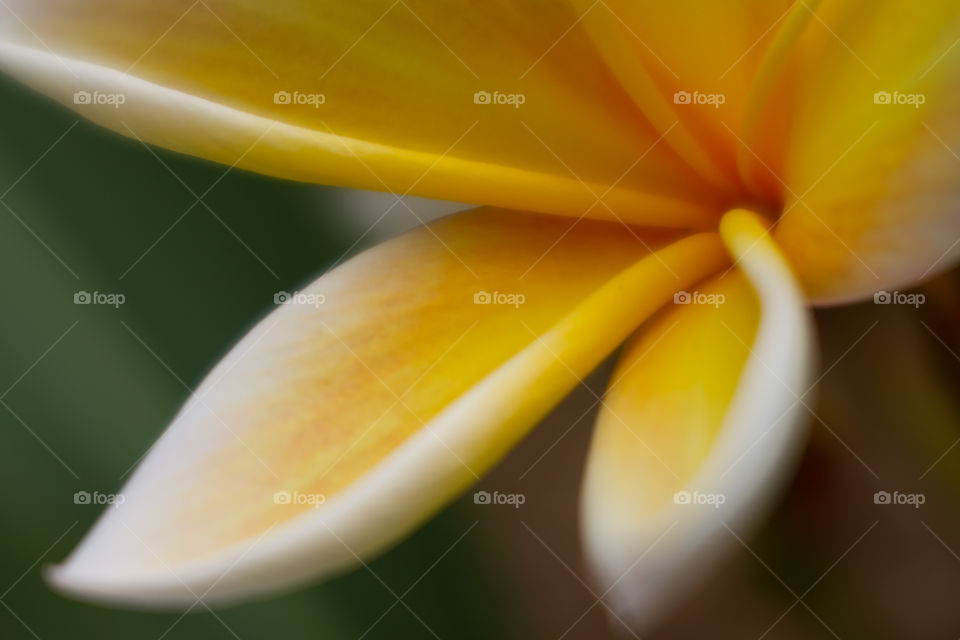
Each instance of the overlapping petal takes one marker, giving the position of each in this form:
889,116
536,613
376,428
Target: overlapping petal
689,65
374,396
867,149
399,95
699,428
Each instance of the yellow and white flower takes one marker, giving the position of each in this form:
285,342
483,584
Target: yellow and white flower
685,177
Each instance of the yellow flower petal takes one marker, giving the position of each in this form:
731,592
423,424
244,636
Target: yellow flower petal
700,425
374,397
689,66
376,95
870,188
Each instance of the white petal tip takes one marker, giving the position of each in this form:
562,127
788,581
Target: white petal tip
79,584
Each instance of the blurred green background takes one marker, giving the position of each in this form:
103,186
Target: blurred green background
86,389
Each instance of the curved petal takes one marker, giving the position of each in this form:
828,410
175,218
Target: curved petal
689,66
700,426
869,164
486,102
371,399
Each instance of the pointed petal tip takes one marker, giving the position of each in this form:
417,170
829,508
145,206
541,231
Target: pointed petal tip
219,580
72,580
642,584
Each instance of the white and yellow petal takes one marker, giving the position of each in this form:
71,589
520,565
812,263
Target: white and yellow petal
700,427
867,146
486,102
372,398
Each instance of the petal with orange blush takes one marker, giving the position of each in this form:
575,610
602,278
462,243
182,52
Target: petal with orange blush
373,397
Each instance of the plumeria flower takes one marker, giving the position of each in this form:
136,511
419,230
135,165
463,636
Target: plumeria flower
686,178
